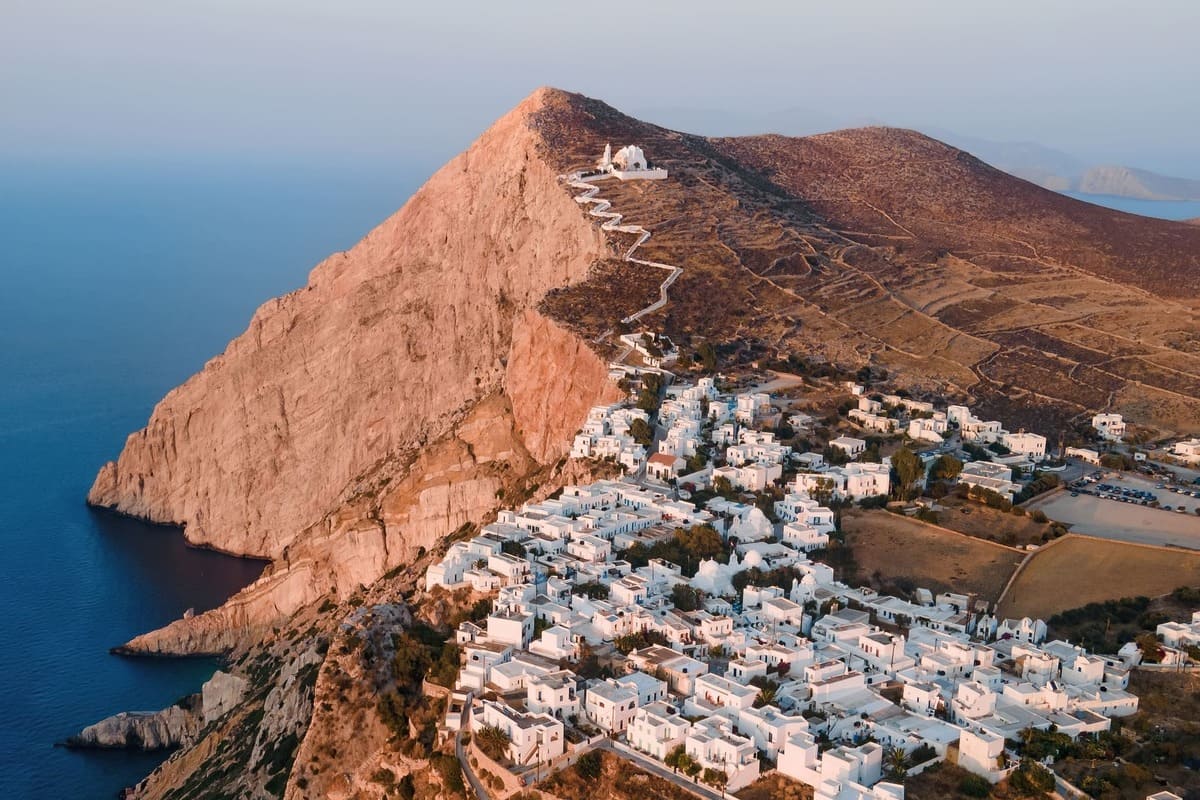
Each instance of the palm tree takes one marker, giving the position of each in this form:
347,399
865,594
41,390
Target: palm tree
897,763
766,696
493,741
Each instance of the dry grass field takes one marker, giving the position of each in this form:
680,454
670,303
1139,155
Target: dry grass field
989,523
888,547
1077,570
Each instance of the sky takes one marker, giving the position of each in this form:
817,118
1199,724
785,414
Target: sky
232,81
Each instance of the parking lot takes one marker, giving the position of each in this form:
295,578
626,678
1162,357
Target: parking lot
1126,520
1175,496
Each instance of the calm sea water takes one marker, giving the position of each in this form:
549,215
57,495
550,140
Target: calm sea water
115,285
1164,209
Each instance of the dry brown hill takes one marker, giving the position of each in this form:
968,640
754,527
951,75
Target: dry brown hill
885,245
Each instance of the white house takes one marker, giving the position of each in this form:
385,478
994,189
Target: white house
664,466
1032,631
1180,634
769,727
713,745
799,507
1083,454
1030,445
557,643
840,773
553,694
657,729
980,752
649,689
989,475
1187,450
512,628
853,448
853,481
752,477
719,691
804,537
609,705
929,429
873,422
1111,427
533,738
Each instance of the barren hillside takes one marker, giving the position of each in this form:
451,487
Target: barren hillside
887,246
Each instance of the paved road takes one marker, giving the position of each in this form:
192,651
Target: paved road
480,792
656,768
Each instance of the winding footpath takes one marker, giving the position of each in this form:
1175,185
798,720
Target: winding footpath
612,222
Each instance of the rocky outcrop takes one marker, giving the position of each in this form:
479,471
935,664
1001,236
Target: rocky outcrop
171,727
222,692
144,730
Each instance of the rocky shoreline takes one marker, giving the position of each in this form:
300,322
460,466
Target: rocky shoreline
166,729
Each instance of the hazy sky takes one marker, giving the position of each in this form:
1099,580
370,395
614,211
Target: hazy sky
416,81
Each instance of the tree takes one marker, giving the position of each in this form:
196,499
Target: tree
947,467
593,589
493,741
973,785
766,695
715,777
1148,644
708,356
822,491
723,487
589,764
641,432
686,598
908,469
1031,779
897,763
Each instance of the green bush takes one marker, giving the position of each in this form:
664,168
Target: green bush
589,764
973,785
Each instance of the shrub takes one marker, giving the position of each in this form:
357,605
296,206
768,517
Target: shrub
973,785
589,764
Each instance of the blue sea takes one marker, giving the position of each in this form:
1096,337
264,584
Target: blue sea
1164,209
116,283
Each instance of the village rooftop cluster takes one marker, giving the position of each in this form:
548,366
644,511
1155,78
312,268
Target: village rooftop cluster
746,650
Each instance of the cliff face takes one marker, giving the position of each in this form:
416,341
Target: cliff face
371,358
370,413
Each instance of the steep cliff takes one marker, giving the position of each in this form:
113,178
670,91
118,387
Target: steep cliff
388,402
